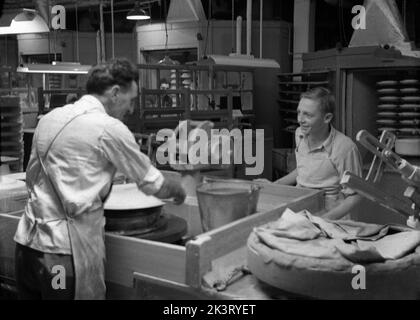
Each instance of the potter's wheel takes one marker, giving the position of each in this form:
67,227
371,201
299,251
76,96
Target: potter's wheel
168,228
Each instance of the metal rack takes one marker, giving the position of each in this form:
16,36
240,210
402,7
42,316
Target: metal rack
11,141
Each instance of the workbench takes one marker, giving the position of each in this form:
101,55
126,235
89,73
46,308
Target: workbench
144,269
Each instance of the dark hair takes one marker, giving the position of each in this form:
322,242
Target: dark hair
117,71
323,96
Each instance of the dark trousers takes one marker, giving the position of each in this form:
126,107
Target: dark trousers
42,275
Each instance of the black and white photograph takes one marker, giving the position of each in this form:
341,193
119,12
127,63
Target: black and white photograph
209,155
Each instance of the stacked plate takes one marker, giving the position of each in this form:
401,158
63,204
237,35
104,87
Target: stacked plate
388,96
186,78
409,108
399,107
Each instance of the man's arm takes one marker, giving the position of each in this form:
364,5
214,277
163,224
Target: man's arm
171,189
343,208
289,179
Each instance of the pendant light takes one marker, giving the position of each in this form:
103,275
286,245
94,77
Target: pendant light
137,13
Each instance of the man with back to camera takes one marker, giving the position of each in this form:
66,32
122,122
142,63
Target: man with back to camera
76,151
323,154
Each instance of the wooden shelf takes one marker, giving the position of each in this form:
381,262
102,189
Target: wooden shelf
302,83
288,101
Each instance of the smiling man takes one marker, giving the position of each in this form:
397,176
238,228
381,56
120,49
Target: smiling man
323,154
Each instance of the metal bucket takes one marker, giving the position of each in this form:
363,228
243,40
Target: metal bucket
223,201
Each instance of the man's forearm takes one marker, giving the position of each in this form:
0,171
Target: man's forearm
171,189
289,179
343,208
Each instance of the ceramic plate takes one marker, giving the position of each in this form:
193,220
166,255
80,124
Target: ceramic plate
387,83
409,90
129,197
409,81
389,99
410,99
387,106
387,91
185,75
387,114
386,121
410,131
387,128
410,122
409,114
410,106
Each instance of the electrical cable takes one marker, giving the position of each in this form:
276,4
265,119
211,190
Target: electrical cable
208,26
77,33
342,22
233,30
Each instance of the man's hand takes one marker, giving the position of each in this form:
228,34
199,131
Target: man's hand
172,189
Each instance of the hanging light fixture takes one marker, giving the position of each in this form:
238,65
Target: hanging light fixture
27,21
137,13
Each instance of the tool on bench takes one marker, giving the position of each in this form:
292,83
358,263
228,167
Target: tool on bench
383,155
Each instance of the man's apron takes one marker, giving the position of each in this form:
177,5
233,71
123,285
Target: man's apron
86,233
321,166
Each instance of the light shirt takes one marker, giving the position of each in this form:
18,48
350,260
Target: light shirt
323,167
81,163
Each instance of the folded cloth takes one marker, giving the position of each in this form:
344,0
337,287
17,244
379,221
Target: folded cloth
303,234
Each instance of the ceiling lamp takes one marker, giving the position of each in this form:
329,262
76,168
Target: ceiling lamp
28,21
55,67
137,13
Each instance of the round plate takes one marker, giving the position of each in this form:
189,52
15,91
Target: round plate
410,122
185,75
386,121
410,99
387,83
387,90
387,106
128,197
387,114
410,106
411,131
409,90
409,81
409,114
387,128
389,99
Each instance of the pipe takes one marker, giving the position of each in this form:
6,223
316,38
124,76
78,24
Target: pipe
239,35
248,26
112,29
102,30
261,26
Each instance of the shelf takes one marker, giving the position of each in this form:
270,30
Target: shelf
290,92
288,110
288,101
300,83
304,73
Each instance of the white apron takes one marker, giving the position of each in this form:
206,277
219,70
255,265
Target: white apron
86,233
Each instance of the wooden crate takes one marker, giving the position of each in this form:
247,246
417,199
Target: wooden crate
141,269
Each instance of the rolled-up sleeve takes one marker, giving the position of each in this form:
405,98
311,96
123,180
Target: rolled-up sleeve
350,161
120,148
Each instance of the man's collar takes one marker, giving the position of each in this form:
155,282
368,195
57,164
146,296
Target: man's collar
327,144
94,102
